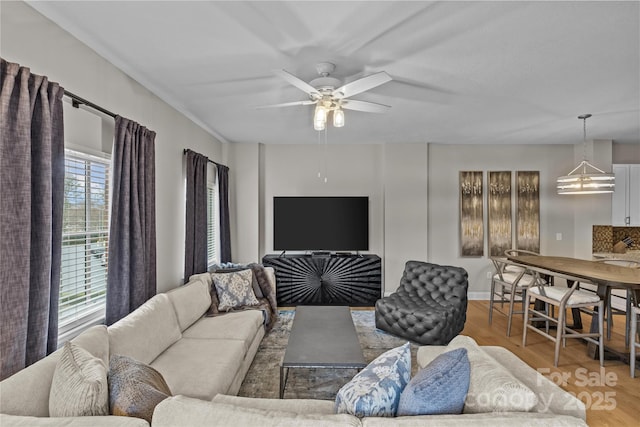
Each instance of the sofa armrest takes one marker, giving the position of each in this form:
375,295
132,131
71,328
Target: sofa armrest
93,421
490,419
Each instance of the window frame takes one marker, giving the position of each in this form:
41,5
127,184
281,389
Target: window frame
213,216
71,325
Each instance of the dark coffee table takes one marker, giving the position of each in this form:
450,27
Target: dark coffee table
321,337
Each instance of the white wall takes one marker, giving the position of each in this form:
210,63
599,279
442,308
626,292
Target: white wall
351,170
413,192
394,178
571,216
27,38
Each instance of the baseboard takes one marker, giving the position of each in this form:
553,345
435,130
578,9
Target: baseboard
482,296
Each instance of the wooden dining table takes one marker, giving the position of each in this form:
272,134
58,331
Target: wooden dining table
604,276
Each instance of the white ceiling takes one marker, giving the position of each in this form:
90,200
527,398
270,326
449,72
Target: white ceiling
463,72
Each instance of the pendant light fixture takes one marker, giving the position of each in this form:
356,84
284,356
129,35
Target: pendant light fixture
338,117
580,180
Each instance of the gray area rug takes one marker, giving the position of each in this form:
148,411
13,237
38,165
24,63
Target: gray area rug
263,378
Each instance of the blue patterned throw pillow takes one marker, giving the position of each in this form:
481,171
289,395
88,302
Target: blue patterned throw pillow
439,388
375,391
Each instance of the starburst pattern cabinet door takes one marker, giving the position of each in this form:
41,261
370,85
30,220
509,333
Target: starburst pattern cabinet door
308,280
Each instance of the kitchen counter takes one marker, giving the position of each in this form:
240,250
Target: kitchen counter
631,255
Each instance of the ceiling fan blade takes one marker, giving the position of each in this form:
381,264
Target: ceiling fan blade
361,85
287,104
369,107
300,84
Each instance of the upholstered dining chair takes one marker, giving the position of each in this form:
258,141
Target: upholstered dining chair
563,298
508,285
635,313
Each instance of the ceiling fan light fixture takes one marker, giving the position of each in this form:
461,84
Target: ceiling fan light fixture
319,117
584,182
338,117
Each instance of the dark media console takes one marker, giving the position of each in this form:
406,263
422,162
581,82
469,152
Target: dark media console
334,279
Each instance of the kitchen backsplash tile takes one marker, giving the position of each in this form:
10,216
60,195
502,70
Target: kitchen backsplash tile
605,236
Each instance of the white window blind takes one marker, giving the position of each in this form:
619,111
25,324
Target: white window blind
213,223
85,236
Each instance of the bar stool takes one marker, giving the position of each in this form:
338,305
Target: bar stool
508,284
564,298
611,311
635,312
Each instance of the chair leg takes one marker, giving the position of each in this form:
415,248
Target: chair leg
609,313
559,336
546,311
634,333
627,320
511,302
493,289
526,320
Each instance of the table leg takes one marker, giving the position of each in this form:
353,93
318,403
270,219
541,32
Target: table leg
284,375
592,349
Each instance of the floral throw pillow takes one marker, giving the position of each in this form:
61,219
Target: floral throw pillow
234,289
375,391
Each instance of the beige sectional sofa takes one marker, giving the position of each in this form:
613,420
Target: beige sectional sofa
555,407
204,360
198,356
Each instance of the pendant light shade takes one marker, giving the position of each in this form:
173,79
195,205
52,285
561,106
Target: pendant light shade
319,117
338,118
586,178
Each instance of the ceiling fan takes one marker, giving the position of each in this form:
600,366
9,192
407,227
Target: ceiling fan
330,95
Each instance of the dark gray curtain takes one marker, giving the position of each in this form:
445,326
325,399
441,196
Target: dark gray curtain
131,279
225,228
195,250
32,194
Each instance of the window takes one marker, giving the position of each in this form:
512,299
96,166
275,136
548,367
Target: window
213,222
85,236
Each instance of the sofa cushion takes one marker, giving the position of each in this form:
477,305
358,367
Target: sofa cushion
35,381
135,388
234,289
438,388
201,368
186,412
147,331
375,391
190,302
96,341
492,388
237,325
79,387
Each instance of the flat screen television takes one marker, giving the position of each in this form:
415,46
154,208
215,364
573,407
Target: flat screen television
321,223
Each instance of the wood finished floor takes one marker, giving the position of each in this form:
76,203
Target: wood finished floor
612,396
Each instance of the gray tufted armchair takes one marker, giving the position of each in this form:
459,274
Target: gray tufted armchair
430,305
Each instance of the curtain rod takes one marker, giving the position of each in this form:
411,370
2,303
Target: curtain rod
208,159
76,101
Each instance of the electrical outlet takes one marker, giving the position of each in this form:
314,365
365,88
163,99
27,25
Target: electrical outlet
558,236
489,275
